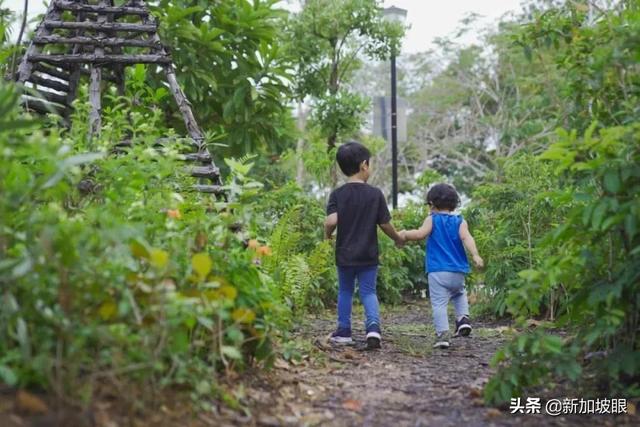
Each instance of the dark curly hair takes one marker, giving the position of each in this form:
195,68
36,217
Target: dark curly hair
443,196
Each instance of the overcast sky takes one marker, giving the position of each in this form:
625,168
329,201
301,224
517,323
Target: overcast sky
429,19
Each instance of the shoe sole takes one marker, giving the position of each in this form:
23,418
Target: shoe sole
441,344
373,343
463,330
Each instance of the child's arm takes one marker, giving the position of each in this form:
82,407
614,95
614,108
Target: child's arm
390,231
470,244
330,225
422,232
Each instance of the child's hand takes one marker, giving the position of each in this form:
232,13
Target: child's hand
479,262
403,239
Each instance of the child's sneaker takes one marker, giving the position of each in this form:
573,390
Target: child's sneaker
463,327
373,337
442,340
342,336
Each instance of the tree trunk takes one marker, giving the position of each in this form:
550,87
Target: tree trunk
300,145
334,87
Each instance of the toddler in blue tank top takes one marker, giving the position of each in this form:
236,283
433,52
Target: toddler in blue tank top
446,262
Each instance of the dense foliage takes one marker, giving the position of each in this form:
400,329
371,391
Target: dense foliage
560,229
111,269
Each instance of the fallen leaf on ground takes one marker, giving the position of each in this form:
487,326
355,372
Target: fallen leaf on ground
352,405
631,408
477,402
350,354
281,364
493,413
475,392
27,402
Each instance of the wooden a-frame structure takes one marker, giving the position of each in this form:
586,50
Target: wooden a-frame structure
98,39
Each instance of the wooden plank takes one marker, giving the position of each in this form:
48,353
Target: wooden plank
84,58
101,26
54,72
210,172
40,106
54,97
198,157
211,189
50,83
95,41
120,10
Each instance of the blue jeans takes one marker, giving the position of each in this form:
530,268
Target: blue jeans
445,286
367,283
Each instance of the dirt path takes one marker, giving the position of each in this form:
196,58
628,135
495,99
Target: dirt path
406,383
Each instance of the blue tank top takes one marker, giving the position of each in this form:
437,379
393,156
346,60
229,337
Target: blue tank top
444,250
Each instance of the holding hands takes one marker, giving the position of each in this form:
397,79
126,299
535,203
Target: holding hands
477,261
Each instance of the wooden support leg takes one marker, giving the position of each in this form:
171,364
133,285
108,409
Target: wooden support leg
95,119
26,67
184,106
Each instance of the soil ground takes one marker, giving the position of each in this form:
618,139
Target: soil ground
406,383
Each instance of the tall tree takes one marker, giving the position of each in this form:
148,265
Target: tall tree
328,38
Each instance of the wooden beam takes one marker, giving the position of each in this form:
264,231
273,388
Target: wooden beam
211,189
95,81
120,10
54,97
50,83
85,58
101,26
41,106
95,41
26,66
210,172
54,72
198,157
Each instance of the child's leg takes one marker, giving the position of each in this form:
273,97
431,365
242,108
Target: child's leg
460,302
346,283
367,284
439,296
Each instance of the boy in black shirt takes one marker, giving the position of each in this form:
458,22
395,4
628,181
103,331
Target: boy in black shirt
356,209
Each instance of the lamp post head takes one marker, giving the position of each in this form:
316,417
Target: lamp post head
395,14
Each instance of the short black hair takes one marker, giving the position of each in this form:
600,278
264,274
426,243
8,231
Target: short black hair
350,155
443,196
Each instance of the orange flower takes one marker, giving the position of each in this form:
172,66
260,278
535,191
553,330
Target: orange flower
174,213
264,250
253,244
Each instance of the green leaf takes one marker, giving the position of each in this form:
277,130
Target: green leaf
158,258
202,265
8,376
612,181
231,352
179,341
598,214
139,249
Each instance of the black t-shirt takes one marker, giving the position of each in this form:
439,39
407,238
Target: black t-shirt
360,209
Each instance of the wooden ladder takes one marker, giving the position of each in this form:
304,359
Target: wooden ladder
92,44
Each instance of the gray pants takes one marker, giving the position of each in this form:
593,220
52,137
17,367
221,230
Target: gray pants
445,286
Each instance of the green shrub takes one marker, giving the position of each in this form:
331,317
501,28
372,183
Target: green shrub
595,256
109,269
508,216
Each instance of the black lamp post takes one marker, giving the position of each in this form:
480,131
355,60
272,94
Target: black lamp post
394,14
